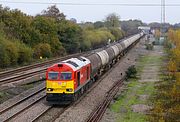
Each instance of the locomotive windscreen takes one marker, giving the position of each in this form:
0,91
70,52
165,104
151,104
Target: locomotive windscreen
53,75
65,76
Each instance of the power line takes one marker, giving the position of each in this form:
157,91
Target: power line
91,4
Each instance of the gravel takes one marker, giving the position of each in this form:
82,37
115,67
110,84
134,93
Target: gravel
29,114
20,97
21,107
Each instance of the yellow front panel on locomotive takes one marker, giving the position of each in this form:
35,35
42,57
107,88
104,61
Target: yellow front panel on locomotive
60,87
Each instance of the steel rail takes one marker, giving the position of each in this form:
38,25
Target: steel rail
97,114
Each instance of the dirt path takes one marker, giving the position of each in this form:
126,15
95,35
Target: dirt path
151,70
134,103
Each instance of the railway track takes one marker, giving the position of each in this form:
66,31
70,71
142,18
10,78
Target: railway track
20,70
21,77
21,107
30,71
38,117
20,103
97,114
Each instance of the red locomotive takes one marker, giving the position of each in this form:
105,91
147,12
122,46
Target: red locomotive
66,79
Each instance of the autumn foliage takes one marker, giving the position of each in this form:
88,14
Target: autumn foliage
174,37
167,99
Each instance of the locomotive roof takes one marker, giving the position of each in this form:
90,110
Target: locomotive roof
76,63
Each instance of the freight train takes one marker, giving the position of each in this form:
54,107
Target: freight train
68,80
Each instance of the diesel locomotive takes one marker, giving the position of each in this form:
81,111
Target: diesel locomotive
66,81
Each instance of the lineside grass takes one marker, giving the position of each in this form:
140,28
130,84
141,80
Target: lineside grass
132,96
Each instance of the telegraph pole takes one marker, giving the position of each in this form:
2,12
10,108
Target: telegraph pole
163,16
164,12
161,11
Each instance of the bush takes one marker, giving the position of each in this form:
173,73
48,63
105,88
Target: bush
56,47
149,46
131,72
42,50
168,44
4,58
25,54
118,34
12,51
93,39
9,53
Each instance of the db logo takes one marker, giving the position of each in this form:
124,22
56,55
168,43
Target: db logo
81,76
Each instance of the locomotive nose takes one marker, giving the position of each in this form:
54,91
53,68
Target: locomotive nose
63,84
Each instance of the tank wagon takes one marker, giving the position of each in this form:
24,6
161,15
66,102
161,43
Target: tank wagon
66,81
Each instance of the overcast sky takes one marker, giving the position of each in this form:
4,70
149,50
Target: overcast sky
98,12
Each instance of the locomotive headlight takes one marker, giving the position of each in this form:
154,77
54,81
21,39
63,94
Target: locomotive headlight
69,90
49,89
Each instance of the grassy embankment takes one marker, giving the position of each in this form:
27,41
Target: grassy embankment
123,106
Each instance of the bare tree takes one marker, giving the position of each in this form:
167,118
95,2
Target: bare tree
112,20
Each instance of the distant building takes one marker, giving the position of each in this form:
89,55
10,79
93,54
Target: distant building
145,29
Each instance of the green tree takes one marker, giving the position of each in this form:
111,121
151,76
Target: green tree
17,24
70,35
48,29
99,24
118,34
93,39
131,26
45,25
57,47
87,26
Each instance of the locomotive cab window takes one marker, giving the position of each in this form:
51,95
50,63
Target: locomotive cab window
53,75
66,76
